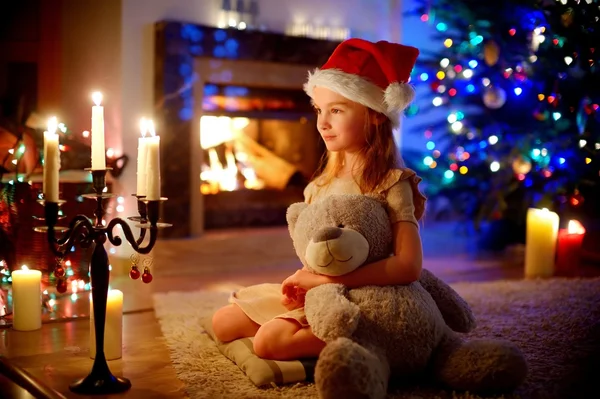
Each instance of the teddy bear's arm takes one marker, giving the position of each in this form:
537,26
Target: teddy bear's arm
329,312
456,311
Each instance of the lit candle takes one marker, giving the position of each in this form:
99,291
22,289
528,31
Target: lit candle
142,159
51,162
98,152
27,299
153,164
540,244
113,326
568,250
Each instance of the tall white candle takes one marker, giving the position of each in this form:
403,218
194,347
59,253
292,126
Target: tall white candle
98,151
153,164
142,159
51,162
113,326
540,244
27,299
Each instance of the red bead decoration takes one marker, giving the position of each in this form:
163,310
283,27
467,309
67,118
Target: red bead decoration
146,277
134,273
61,286
59,271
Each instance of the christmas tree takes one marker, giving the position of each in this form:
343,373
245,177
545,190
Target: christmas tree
520,82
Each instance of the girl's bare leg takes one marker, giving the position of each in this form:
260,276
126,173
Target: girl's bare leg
286,339
230,323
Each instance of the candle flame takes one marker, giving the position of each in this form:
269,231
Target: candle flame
24,267
52,125
144,126
575,227
97,97
151,127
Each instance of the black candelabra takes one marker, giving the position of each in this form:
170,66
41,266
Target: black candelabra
86,233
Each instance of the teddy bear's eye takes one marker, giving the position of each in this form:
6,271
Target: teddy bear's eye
341,226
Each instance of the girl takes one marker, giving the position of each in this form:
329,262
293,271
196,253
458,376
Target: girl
358,96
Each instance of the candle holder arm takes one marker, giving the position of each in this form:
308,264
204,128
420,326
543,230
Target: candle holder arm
116,240
140,239
77,223
80,231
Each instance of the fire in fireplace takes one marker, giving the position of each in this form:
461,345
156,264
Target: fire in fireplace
260,148
223,139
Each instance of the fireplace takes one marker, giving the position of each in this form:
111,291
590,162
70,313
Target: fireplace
239,139
260,147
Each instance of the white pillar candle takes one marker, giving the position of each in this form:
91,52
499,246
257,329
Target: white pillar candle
98,151
540,244
153,164
113,326
142,159
27,299
51,162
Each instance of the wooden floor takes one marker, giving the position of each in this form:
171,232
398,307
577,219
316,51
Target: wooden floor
59,352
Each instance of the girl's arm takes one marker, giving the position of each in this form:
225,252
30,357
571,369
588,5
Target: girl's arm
403,267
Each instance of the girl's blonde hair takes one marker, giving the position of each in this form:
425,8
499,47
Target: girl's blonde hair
378,156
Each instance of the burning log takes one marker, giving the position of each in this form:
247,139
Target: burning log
274,171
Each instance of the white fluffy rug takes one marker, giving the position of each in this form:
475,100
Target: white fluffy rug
556,322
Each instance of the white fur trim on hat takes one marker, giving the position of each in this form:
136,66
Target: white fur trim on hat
398,96
390,102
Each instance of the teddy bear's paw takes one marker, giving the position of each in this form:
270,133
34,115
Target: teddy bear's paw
329,313
346,369
483,366
455,310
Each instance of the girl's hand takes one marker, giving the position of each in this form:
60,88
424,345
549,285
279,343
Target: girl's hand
303,280
294,299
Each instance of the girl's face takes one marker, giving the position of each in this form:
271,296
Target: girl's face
340,122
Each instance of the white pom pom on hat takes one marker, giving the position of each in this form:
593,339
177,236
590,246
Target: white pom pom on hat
375,75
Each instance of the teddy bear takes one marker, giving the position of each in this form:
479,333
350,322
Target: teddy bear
374,333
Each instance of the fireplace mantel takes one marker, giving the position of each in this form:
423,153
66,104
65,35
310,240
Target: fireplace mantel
188,55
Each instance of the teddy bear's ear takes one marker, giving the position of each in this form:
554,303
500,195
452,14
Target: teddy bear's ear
293,212
379,197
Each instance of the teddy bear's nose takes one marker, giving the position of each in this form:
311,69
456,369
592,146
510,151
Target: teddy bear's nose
327,233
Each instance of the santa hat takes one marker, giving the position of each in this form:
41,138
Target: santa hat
373,74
